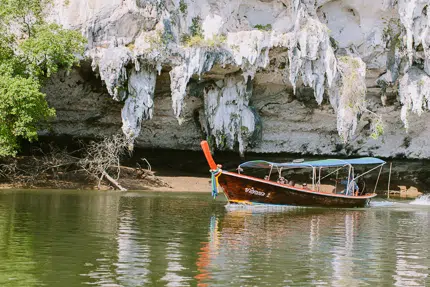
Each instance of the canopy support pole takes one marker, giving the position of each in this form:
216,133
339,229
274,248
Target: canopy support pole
377,180
337,175
270,172
313,177
349,179
335,171
364,173
389,180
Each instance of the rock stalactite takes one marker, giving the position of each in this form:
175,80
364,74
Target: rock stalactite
196,62
311,55
139,104
414,92
275,46
347,95
311,58
112,70
229,118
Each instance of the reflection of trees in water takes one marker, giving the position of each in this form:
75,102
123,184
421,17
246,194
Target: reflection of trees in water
174,256
412,250
16,254
133,252
342,263
155,243
335,248
46,234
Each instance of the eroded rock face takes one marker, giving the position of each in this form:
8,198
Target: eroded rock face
228,117
265,76
414,92
139,104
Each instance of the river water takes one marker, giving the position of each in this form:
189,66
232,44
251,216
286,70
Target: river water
71,238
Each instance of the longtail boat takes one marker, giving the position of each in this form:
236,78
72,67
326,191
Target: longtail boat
348,190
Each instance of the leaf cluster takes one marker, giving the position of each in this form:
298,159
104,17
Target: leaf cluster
196,28
52,48
260,27
31,50
23,111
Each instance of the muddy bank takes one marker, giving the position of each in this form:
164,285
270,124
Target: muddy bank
131,179
178,170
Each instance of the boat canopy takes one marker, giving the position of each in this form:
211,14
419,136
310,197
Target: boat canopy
315,163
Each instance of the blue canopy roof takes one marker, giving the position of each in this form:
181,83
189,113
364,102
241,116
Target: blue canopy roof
315,163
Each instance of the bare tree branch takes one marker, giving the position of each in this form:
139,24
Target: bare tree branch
99,160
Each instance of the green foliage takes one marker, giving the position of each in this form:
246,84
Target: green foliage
267,27
196,27
196,37
22,13
216,40
199,41
154,40
377,129
392,32
52,48
158,40
235,48
131,46
244,130
167,37
23,110
222,140
350,61
334,44
185,38
183,6
29,54
194,41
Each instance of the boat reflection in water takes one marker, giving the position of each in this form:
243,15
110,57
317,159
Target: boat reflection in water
313,247
208,251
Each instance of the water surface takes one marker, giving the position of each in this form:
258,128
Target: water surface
73,238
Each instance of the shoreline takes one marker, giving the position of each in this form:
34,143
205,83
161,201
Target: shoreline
173,171
184,184
162,183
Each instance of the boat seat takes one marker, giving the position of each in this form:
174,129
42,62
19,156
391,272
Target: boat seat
327,188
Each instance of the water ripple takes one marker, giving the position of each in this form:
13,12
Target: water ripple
113,240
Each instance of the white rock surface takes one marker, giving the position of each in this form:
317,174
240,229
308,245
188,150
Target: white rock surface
228,116
139,104
347,96
112,70
414,92
280,47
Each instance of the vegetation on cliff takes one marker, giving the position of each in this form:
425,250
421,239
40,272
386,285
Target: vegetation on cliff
31,50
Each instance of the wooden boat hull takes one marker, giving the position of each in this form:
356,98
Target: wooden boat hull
250,190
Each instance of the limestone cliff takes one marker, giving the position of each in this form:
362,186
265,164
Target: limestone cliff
302,76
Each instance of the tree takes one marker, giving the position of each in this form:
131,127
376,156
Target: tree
31,50
23,110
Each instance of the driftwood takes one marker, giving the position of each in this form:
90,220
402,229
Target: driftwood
41,166
113,181
97,160
104,157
